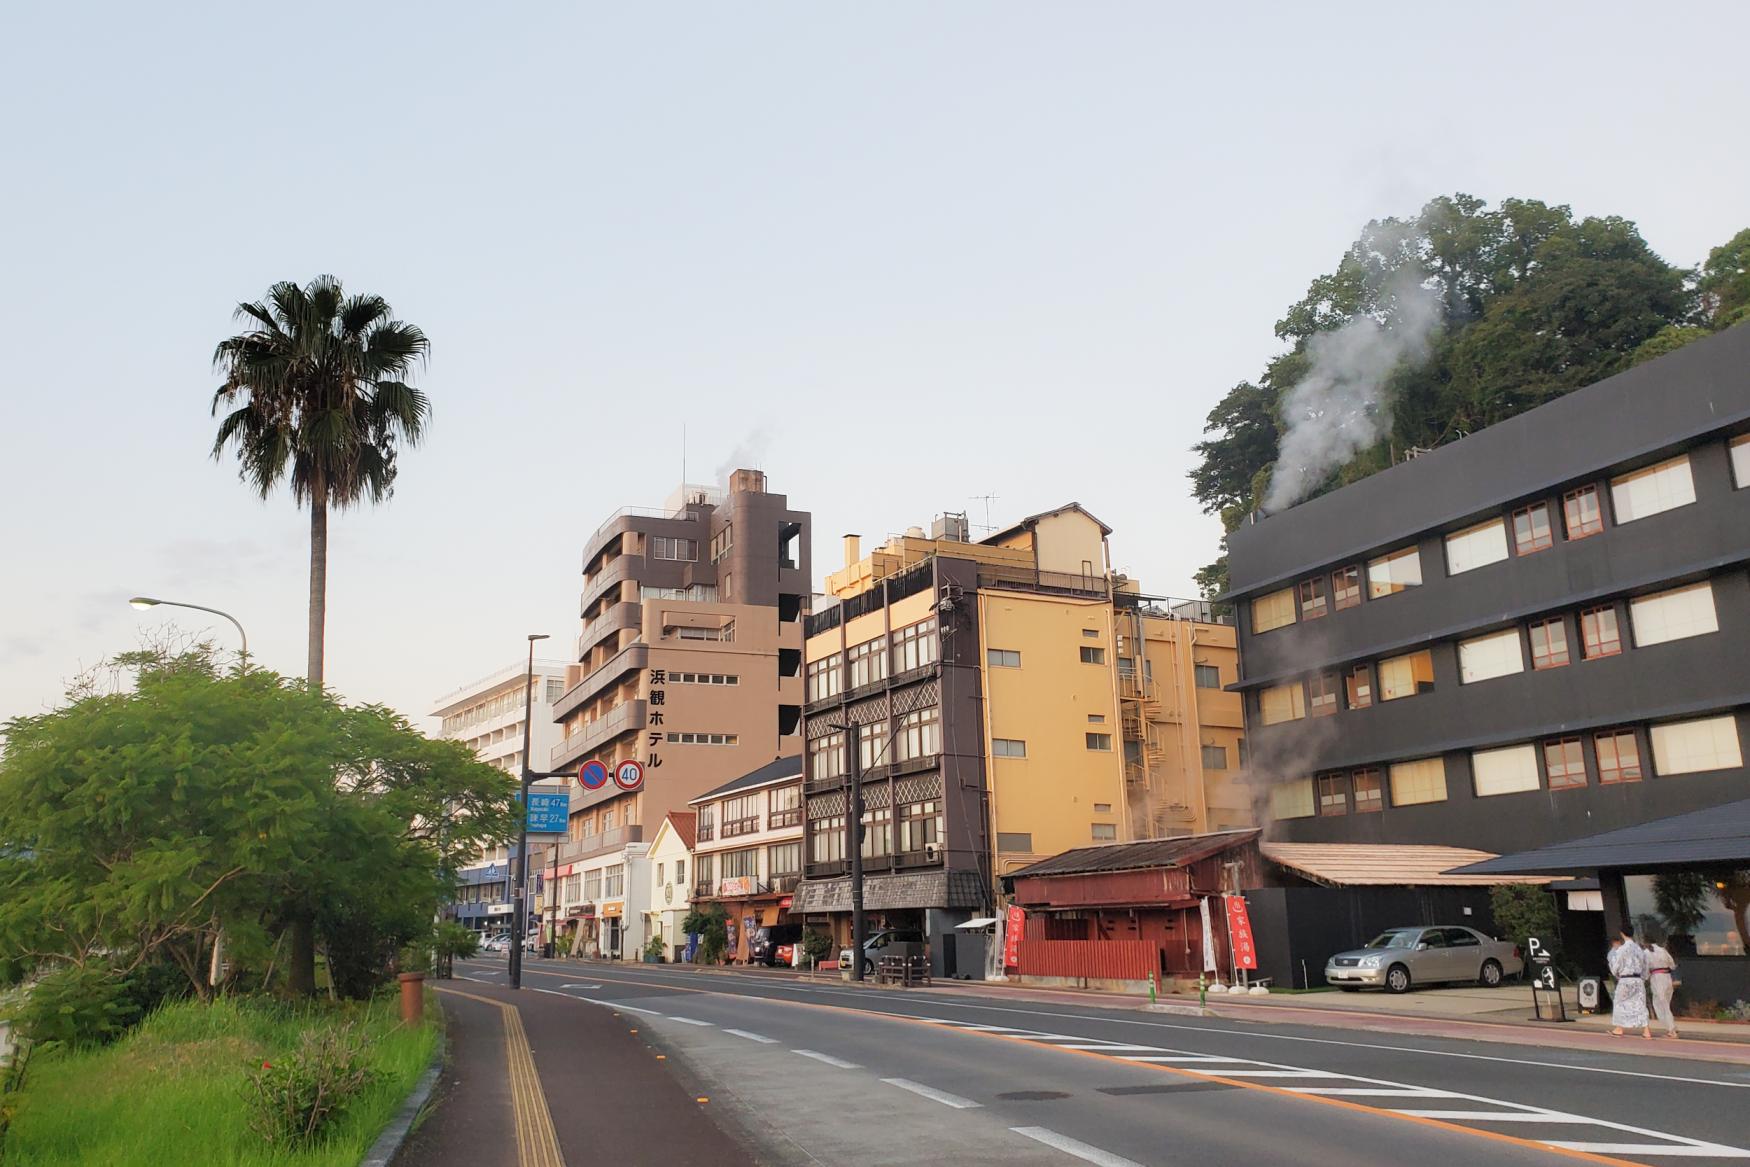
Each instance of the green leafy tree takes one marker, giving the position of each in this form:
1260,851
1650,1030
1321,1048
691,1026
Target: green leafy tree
135,825
1724,285
315,394
710,923
1523,910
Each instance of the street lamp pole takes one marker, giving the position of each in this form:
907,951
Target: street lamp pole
144,602
520,904
216,966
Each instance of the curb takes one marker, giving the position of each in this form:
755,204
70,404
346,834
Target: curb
389,1143
1178,1010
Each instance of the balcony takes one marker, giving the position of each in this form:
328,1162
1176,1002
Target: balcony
633,656
828,869
993,575
616,617
784,884
600,842
784,818
615,524
625,716
704,833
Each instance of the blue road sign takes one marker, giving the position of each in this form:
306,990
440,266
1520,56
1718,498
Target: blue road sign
593,774
549,811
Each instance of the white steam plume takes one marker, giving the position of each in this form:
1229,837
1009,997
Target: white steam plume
1338,408
748,454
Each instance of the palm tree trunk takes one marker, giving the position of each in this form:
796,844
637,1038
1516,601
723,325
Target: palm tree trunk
318,582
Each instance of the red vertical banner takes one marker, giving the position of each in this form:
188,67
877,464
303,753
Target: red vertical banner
1012,933
1239,933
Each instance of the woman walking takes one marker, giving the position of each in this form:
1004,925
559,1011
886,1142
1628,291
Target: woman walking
1661,981
1628,1001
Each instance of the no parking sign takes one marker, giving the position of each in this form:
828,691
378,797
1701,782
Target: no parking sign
592,775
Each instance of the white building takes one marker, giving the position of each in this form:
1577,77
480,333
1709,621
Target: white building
602,903
487,716
671,892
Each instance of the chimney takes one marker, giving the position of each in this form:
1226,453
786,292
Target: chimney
853,549
747,482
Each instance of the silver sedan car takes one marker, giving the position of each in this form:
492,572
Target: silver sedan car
1401,957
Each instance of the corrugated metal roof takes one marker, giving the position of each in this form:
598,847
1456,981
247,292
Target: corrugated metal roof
773,771
1719,834
1382,864
1174,852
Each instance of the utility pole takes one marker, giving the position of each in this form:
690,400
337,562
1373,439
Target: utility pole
520,904
859,927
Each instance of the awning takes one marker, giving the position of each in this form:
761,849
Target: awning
981,922
1384,864
1719,834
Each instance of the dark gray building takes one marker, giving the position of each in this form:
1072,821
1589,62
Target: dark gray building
1535,633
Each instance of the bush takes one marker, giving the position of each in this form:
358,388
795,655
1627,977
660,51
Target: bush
293,1101
456,941
1523,910
711,925
1736,1011
816,945
76,1006
655,949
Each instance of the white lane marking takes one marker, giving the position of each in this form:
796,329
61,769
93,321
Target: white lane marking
933,1094
580,986
1186,1059
1074,1147
1282,1074
827,1058
1699,1151
1106,1047
1373,1092
1493,1115
759,1037
627,1008
551,992
689,1020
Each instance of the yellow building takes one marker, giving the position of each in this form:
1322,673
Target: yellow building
1002,713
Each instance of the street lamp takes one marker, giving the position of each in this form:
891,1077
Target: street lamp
144,602
520,909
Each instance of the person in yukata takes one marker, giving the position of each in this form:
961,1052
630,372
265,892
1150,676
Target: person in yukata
1628,1002
1661,982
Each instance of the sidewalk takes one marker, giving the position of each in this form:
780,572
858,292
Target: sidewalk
1475,1014
535,1079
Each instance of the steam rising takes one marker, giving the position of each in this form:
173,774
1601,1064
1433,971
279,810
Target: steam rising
1339,407
749,454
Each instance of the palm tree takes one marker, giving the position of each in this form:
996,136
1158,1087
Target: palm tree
316,394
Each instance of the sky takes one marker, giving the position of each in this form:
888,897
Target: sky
901,256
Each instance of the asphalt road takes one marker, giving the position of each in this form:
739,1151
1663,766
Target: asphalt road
802,1072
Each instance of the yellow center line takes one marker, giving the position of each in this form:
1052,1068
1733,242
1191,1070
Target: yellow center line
1241,1083
537,1144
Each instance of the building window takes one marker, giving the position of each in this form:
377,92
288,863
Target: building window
1273,611
826,840
1504,771
920,826
743,864
1102,808
1215,757
1619,756
1417,782
726,633
1321,692
1581,512
1312,600
1358,683
1390,574
784,807
825,678
663,547
915,646
826,759
614,881
1091,633
1495,655
871,744
1405,676
1694,747
1549,643
1674,615
1007,747
1099,741
877,832
920,735
1333,790
740,815
1208,677
1531,529
1282,703
678,678
722,541
1105,832
1657,488
868,662
1476,547
1096,719
1369,796
1002,658
783,859
1092,655
1599,633
1346,587
704,739
1292,799
1741,461
1019,842
1564,760
592,886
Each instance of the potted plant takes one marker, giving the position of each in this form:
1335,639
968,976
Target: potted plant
653,950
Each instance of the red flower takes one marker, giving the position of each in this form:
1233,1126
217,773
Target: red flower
267,1065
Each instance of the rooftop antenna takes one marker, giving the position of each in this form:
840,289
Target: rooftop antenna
683,461
987,499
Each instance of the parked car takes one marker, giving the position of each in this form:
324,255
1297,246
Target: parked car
499,943
875,943
1398,958
775,946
